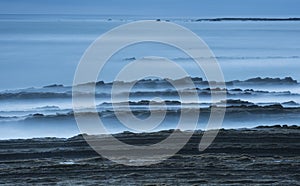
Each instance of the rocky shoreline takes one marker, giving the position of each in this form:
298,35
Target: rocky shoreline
262,155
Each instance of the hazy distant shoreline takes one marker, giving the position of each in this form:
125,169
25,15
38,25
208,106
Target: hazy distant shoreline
248,19
140,17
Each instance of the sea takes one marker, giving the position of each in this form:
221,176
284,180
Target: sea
39,54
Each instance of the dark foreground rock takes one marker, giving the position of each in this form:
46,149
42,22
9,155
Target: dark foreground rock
260,156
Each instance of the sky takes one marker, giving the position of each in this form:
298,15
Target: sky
173,8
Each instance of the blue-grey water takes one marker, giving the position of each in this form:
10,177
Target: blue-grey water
39,50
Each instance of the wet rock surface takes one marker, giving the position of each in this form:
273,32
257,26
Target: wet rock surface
259,156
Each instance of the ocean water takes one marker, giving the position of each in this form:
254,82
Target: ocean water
41,50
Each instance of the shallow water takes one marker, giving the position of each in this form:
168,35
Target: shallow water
48,111
44,50
34,49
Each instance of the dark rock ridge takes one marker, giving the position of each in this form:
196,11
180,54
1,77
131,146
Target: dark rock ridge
259,80
249,19
53,86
